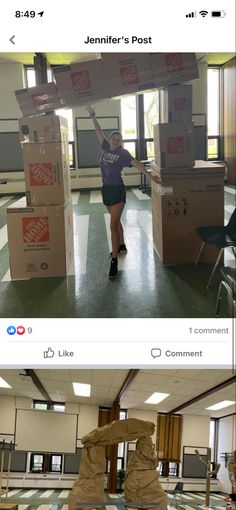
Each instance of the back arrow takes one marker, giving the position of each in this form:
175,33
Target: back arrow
11,40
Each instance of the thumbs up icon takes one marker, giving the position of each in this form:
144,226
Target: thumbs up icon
49,353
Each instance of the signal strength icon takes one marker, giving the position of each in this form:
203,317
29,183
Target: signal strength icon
203,13
191,14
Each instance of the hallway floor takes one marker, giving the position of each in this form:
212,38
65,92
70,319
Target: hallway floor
143,288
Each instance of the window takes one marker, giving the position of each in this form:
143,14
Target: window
30,76
36,462
121,446
213,439
56,463
47,406
45,462
41,406
151,112
213,112
128,116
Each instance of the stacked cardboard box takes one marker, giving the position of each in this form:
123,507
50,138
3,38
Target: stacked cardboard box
182,189
114,74
40,228
182,201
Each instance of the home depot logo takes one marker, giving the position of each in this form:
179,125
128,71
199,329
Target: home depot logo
181,103
81,81
175,144
41,174
39,99
129,74
174,62
35,229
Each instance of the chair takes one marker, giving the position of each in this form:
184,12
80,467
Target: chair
220,236
177,490
229,283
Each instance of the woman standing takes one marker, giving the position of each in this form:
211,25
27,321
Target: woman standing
113,160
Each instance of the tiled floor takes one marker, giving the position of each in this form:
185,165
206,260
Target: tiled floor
144,287
40,499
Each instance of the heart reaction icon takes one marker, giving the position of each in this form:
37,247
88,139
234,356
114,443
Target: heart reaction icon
20,330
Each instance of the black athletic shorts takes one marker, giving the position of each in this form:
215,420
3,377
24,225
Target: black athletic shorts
112,195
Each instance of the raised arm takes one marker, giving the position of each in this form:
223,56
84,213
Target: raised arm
98,129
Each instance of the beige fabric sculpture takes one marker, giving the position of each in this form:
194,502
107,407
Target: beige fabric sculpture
89,487
141,484
141,481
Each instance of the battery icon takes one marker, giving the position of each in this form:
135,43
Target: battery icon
218,14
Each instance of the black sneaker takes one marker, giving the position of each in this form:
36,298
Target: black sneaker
113,269
122,249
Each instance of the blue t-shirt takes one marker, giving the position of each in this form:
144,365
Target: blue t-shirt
112,164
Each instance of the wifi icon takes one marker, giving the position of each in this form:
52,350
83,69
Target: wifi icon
203,13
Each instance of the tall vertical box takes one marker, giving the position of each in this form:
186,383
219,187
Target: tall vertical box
43,129
173,144
47,177
180,204
40,240
176,103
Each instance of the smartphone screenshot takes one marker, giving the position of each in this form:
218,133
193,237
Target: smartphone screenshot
117,256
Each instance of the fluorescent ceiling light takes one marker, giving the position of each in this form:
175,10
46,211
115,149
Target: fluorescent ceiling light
82,390
221,405
4,384
155,398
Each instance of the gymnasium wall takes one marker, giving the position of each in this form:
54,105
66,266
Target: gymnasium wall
87,414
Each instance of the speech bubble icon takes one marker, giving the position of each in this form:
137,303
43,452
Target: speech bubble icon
156,353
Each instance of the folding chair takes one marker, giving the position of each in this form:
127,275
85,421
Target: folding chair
220,236
178,491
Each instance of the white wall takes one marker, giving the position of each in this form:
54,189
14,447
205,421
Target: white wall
195,432
11,78
88,419
140,414
226,443
8,406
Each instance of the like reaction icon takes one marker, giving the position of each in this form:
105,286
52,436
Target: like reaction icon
49,353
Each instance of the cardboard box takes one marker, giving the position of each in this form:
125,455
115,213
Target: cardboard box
40,99
200,167
47,173
43,129
81,83
173,68
180,204
40,240
174,144
127,73
176,103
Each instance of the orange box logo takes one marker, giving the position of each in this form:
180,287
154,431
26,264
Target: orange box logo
174,62
81,81
129,75
181,103
35,229
39,99
41,174
175,145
